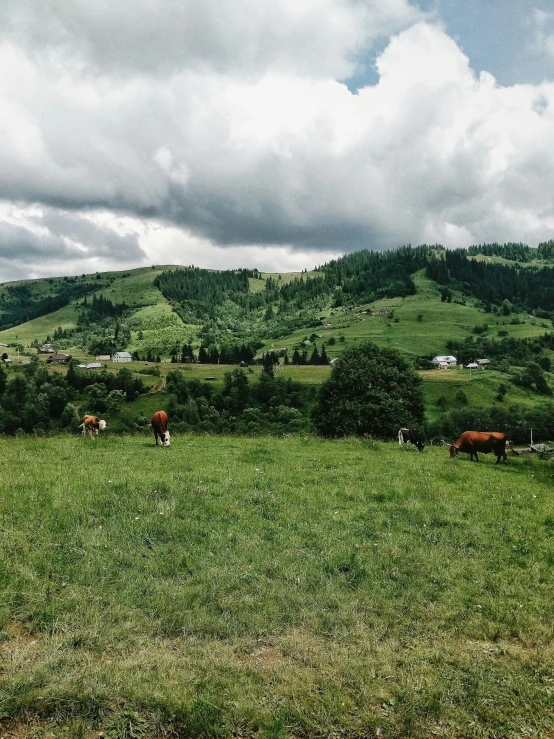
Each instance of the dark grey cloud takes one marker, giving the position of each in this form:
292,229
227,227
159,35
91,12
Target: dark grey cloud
50,237
227,123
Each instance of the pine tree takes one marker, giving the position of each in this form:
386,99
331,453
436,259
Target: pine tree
295,357
314,359
323,359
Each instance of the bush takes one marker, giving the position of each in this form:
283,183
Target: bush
371,391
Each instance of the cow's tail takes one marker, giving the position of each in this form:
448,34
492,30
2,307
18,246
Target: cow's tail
400,437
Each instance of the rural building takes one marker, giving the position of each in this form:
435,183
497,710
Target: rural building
57,358
103,358
93,365
483,362
327,325
472,365
446,359
25,361
47,349
382,312
7,360
3,344
121,357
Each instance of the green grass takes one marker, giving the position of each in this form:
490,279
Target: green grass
480,388
274,587
439,322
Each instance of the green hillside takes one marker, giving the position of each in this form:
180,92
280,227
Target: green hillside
474,306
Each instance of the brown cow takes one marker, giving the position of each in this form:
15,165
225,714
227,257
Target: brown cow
472,442
92,424
159,424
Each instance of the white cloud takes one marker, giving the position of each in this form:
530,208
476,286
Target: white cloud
230,150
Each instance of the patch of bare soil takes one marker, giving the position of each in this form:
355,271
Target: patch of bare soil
264,658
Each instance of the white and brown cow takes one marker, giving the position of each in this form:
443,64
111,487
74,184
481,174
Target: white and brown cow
159,424
91,425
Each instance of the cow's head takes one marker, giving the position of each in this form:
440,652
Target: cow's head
453,450
420,445
165,439
101,425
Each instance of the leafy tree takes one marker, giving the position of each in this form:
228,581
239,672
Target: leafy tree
461,397
372,390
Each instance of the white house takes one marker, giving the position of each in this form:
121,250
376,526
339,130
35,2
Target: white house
472,365
483,362
93,365
121,357
446,359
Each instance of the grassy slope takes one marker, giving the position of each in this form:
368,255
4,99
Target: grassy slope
276,586
440,322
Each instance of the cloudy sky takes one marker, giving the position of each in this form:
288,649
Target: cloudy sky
226,133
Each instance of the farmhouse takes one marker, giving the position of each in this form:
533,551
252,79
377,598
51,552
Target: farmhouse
483,362
472,365
121,357
382,312
94,365
57,358
103,358
446,359
47,349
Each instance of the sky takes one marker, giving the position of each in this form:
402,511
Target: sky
242,133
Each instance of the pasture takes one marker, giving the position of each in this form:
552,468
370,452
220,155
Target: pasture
273,587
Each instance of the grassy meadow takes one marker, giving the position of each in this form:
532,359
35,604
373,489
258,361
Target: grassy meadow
273,587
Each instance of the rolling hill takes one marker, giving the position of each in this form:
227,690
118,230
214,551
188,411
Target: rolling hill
161,312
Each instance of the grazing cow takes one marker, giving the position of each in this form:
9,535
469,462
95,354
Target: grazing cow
412,436
92,424
472,442
159,424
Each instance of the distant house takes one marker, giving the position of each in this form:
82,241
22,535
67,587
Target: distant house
25,361
93,365
483,362
103,358
446,359
7,360
472,365
57,358
382,312
327,325
3,344
47,349
334,360
121,357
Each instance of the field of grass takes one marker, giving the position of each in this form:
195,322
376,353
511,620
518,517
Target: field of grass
480,388
273,588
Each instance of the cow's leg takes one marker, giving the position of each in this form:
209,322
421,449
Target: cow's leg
156,436
400,437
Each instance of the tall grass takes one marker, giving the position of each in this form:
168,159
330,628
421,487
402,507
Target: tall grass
274,587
